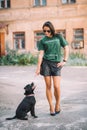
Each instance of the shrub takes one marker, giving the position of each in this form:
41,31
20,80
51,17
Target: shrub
26,59
13,58
77,59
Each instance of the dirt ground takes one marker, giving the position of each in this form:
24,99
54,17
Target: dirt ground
73,114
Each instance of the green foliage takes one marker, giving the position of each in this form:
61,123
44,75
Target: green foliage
9,59
26,59
14,58
77,55
77,59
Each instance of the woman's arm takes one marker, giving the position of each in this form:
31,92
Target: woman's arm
66,55
40,57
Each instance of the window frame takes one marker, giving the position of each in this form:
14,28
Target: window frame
40,3
68,2
20,38
78,43
4,4
62,32
37,36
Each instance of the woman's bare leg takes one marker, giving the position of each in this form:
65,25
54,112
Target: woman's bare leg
56,82
49,93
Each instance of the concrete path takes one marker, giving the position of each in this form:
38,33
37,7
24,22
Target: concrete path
73,99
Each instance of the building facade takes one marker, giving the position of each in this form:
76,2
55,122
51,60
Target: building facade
21,23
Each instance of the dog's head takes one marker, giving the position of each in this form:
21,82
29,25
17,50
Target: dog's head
29,89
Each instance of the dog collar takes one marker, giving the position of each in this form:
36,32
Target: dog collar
29,95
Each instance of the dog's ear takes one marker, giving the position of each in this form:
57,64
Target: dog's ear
32,84
26,86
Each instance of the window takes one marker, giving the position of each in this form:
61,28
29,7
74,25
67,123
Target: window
68,1
19,40
4,4
37,37
78,39
39,2
62,32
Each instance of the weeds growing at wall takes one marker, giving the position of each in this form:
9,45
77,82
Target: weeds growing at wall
14,58
77,59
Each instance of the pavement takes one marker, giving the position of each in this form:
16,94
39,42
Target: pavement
73,114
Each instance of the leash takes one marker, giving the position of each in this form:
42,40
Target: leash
35,78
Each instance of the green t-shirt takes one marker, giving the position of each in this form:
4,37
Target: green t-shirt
52,47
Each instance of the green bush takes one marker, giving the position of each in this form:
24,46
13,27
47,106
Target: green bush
14,58
77,55
26,59
77,59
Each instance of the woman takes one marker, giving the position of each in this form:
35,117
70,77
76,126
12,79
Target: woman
50,64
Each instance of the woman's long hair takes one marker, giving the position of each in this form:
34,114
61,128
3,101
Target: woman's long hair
50,25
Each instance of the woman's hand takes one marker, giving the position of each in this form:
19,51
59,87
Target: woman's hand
61,64
40,57
38,71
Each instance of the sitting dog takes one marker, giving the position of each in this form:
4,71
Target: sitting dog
27,104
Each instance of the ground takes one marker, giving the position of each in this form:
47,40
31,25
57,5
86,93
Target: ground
73,114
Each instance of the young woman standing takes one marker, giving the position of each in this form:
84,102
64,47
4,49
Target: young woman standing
50,64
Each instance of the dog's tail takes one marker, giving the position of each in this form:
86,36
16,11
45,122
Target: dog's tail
11,118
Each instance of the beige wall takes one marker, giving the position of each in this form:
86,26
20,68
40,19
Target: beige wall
20,4
22,16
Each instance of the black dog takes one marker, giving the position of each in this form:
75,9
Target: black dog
27,104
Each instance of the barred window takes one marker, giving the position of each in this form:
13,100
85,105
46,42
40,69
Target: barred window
68,1
4,4
78,39
62,32
19,40
39,2
37,37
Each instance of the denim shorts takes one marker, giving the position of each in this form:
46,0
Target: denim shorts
49,68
